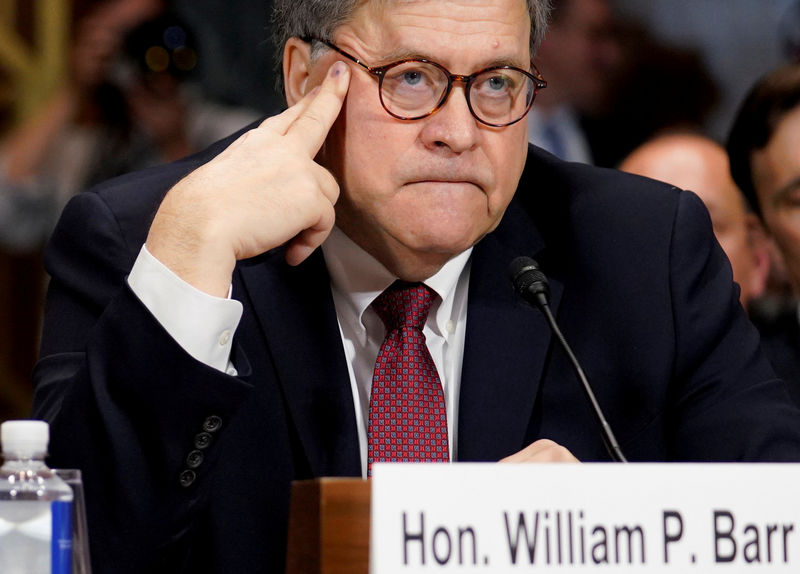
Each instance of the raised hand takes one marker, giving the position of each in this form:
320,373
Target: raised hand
263,191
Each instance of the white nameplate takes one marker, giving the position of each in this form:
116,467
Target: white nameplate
585,518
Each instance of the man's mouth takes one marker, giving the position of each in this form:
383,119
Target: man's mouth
445,181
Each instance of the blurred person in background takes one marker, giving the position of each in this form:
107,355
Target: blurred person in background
126,104
764,152
735,40
659,89
578,56
697,163
611,85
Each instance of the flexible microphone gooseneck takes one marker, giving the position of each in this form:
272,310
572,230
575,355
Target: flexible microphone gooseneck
531,284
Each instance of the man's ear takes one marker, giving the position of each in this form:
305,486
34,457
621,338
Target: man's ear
760,247
296,69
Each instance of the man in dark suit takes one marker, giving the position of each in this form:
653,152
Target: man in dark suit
580,57
763,149
201,350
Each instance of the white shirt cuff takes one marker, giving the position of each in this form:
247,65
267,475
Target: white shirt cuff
203,325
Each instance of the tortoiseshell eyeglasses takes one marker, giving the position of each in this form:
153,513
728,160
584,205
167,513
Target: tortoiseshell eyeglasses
414,88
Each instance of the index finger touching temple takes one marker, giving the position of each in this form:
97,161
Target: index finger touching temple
311,127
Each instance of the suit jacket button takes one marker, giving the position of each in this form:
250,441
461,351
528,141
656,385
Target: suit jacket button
194,459
202,440
187,477
212,424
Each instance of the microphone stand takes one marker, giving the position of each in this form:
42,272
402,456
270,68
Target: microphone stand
532,285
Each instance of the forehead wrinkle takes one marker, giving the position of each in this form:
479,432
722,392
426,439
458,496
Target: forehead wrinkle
450,24
385,31
500,49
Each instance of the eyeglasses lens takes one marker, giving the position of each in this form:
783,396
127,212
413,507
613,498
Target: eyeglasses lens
413,89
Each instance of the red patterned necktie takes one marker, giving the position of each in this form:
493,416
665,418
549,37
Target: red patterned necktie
407,415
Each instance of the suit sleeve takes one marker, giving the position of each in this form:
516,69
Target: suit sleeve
728,403
127,405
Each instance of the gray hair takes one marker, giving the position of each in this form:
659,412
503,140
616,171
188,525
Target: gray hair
320,18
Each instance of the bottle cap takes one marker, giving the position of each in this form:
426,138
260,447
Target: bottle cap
25,436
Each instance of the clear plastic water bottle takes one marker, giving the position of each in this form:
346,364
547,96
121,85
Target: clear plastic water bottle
35,504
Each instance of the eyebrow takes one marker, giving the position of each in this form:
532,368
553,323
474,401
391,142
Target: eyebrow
412,55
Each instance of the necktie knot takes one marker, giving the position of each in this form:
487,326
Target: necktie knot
404,304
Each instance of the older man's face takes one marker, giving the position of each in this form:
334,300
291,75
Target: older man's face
776,177
415,193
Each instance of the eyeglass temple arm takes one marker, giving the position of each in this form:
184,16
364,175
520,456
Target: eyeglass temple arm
342,52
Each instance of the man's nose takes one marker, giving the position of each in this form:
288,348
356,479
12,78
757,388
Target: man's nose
453,125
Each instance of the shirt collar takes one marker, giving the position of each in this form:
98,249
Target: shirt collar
358,278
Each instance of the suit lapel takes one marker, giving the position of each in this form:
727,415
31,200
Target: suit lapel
295,309
506,345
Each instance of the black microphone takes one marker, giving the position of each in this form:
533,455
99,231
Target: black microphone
531,284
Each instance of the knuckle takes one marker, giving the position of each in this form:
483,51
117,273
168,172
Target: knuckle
329,212
313,120
331,185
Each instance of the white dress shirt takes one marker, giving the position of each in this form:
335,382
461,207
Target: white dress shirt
204,325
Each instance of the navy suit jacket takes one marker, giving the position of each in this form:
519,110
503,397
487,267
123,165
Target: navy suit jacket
189,469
